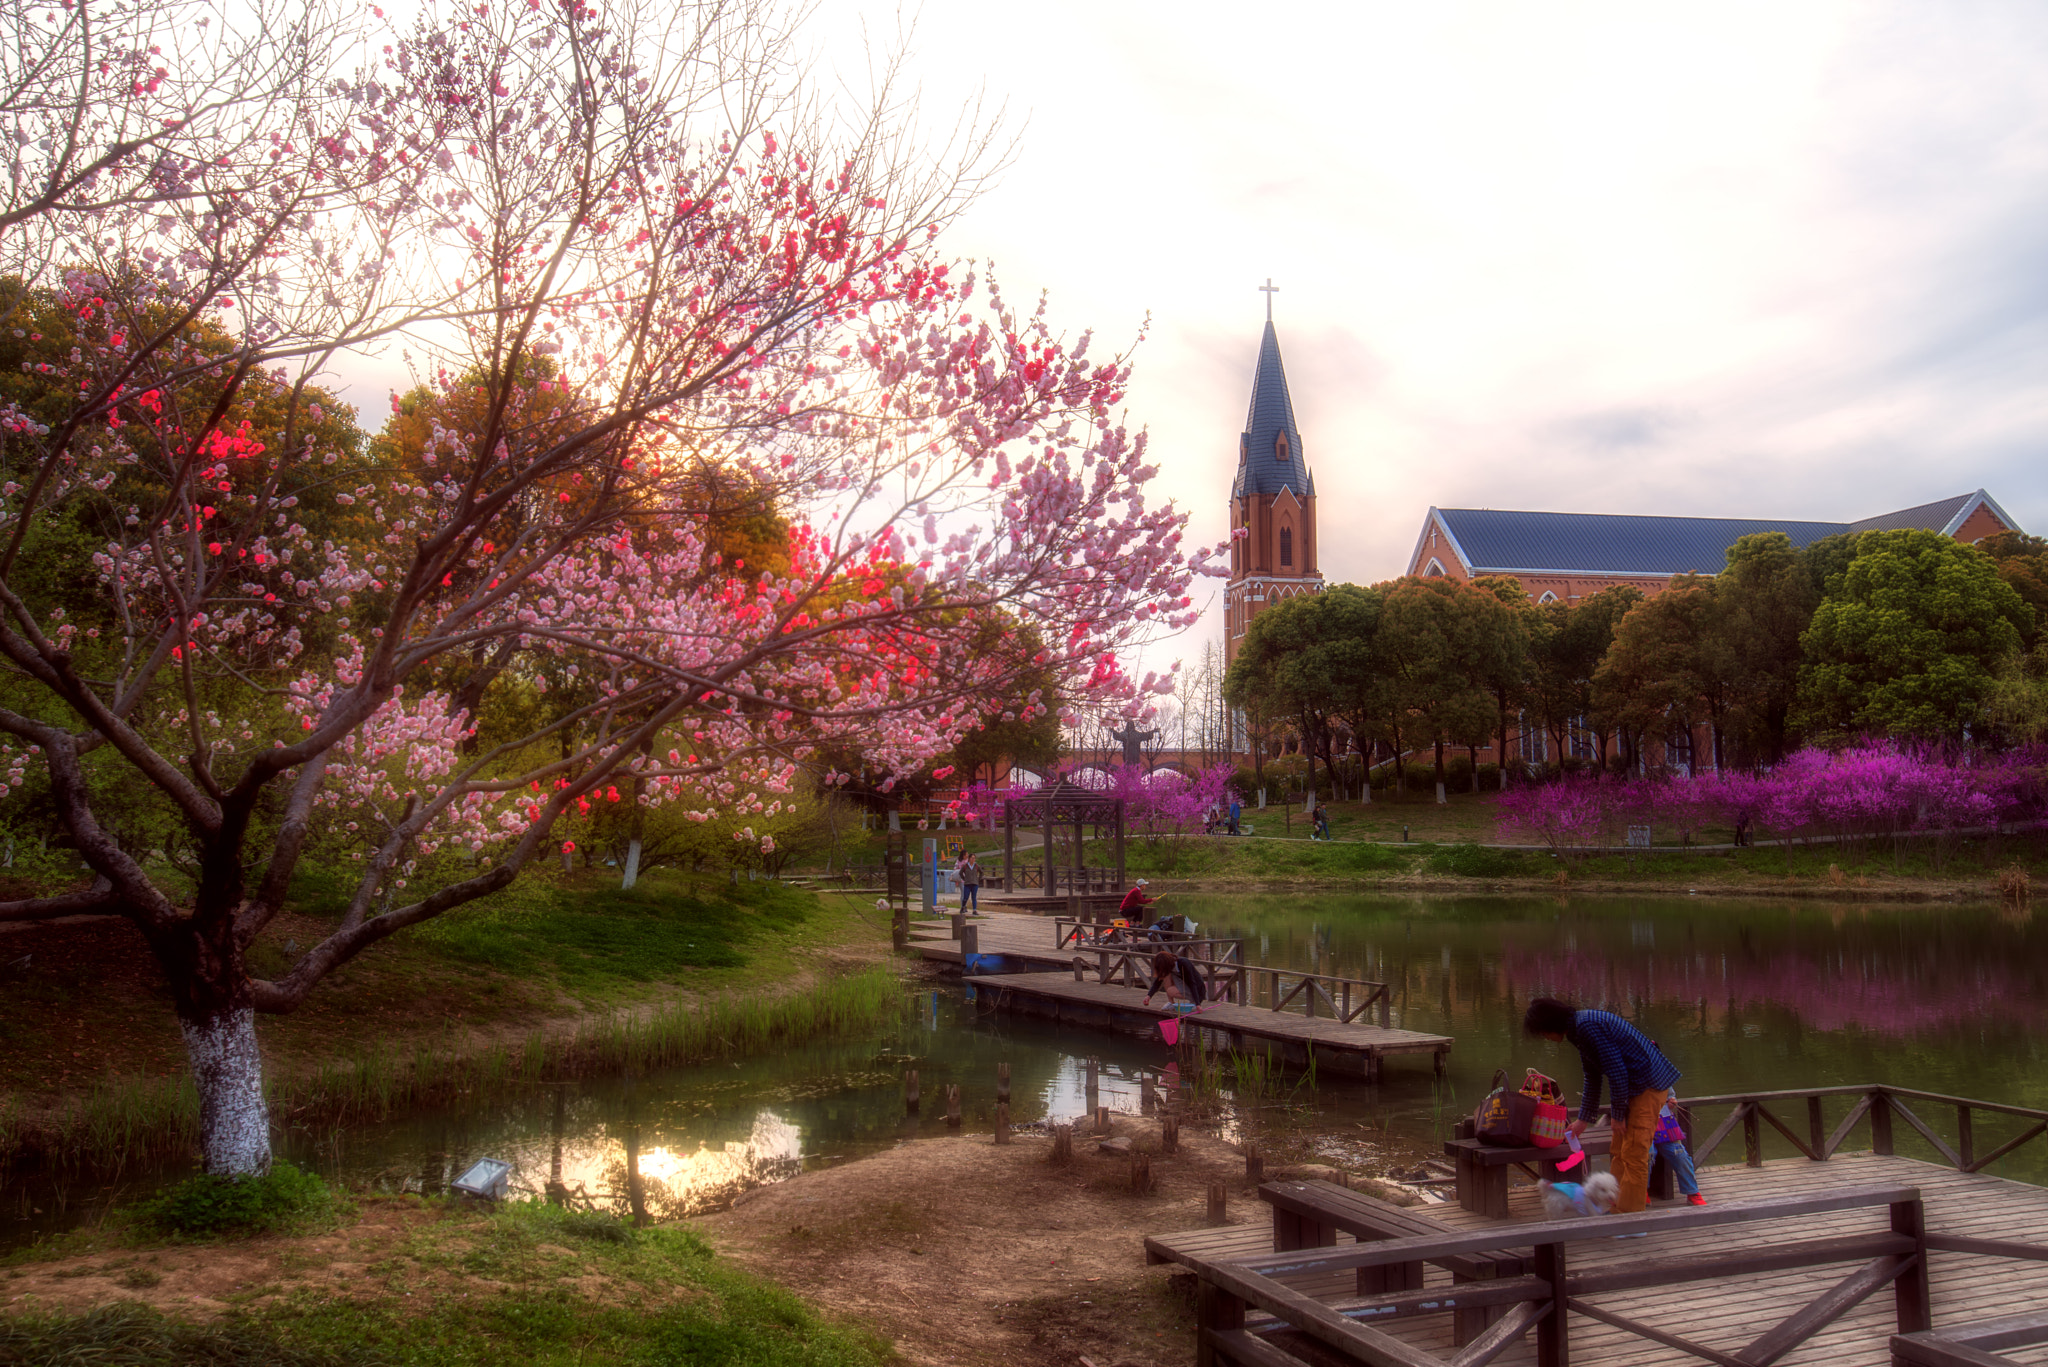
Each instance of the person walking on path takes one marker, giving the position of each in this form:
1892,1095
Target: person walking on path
1638,1077
968,871
1236,811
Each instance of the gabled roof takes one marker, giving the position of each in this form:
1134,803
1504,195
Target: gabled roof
1271,412
1500,541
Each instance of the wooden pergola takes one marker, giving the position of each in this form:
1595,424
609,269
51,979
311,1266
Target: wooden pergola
1060,807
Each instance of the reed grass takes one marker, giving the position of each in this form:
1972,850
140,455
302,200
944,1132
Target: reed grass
127,1120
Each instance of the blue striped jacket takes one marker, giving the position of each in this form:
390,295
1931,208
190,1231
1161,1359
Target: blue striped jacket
1611,1049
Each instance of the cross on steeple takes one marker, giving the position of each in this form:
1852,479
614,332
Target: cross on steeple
1269,289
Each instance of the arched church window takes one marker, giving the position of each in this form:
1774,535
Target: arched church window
1548,597
1287,545
1280,445
1435,570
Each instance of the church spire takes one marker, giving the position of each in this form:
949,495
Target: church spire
1269,454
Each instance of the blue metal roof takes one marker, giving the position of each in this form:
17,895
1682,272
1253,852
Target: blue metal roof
1938,516
1493,541
1271,413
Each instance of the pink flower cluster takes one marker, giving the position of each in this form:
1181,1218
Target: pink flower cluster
1868,791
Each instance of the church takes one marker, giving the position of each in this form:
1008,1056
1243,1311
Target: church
1558,557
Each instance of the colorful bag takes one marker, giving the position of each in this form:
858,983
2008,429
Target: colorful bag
1546,1128
1504,1117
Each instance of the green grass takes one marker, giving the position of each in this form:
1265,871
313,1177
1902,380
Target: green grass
206,1207
522,1282
124,1120
590,941
1476,861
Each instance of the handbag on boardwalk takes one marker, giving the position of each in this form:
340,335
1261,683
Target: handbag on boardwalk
1546,1127
1504,1117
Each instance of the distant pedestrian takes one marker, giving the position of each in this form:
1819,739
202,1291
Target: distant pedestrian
1321,826
1639,1080
968,871
1236,813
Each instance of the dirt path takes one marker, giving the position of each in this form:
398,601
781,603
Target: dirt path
966,1252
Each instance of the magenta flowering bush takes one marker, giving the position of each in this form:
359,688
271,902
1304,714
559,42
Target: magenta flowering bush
1878,790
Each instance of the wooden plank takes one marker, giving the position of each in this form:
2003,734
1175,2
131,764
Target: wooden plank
1641,1330
1776,1258
1991,1248
1502,1335
1825,1309
1314,1318
1599,1227
1720,1132
2006,1331
1239,1345
1849,1122
1941,1146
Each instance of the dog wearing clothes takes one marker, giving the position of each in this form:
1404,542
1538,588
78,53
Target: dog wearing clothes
1594,1196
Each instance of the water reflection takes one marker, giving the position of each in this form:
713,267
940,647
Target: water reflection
1743,995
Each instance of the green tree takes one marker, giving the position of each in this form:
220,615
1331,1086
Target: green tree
1504,666
1566,645
1768,593
2022,562
1909,638
1290,664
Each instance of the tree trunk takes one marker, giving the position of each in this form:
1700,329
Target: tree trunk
633,845
1473,751
1365,753
1502,753
1441,799
234,1121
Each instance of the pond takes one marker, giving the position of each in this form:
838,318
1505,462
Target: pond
1744,995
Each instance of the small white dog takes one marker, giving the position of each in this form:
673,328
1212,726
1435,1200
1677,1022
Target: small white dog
1594,1196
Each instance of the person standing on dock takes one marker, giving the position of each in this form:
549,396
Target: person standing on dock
1639,1080
968,870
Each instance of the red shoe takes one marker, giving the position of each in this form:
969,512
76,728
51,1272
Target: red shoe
1695,1200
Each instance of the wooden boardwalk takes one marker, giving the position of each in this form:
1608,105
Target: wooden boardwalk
1727,1314
1025,949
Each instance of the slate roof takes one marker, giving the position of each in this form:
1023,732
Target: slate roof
1496,541
1271,412
1940,516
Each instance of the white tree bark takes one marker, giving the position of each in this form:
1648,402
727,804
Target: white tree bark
234,1122
632,863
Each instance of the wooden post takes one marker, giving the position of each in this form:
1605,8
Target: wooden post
1216,1204
1910,1290
970,942
1880,1122
1816,1129
1141,1174
1169,1134
1002,1122
1254,1165
1218,1310
1966,1138
1080,967
1147,1097
1752,1136
1102,1120
953,1105
1553,1347
1003,1083
959,923
899,925
1063,1143
910,1092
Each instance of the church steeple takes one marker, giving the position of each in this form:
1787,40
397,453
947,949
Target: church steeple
1270,456
1272,499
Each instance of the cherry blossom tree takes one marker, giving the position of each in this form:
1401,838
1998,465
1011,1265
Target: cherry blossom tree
653,286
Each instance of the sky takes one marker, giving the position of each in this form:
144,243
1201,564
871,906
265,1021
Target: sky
1728,259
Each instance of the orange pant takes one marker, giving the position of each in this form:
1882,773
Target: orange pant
1629,1154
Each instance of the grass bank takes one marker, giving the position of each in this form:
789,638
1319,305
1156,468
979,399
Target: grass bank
430,1282
564,981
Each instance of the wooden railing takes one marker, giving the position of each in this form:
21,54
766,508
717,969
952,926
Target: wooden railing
1087,934
1882,1108
1131,965
1348,1331
1341,999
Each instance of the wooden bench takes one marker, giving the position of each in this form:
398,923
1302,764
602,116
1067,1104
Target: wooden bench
1309,1214
1483,1170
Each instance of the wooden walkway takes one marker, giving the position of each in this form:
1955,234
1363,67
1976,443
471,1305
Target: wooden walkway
1025,949
1729,1313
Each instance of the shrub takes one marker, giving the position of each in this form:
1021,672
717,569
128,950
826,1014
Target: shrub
209,1207
597,1226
